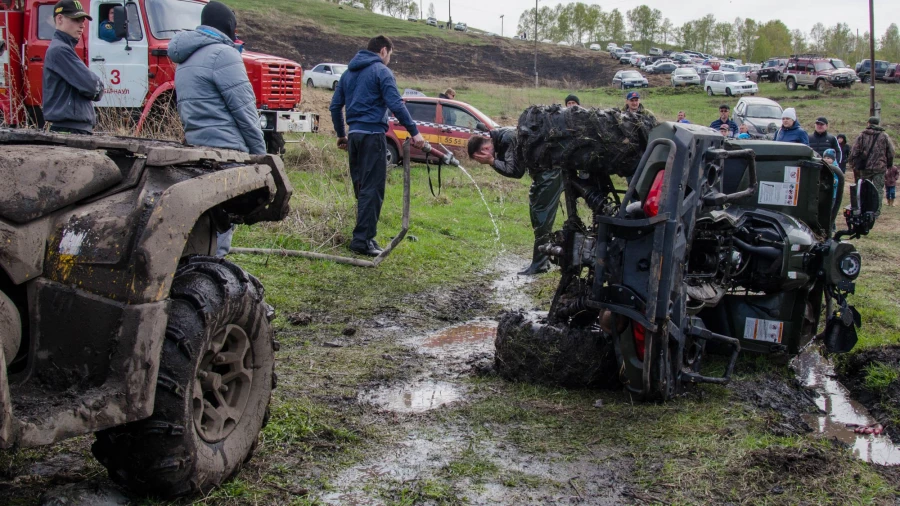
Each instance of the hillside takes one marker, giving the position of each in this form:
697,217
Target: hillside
313,31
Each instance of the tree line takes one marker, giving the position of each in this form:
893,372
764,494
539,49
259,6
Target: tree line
744,38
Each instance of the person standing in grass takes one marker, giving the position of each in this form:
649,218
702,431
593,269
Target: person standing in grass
368,90
724,119
872,154
890,184
845,152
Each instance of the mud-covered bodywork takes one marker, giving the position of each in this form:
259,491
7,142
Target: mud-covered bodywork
715,244
92,230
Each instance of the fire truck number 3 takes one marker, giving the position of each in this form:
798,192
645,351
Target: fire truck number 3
116,77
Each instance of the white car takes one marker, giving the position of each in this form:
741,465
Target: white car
357,5
325,75
562,43
729,84
412,18
431,22
461,27
685,76
611,46
594,47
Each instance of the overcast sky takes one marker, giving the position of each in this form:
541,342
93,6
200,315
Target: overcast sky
802,14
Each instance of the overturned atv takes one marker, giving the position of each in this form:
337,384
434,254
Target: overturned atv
116,319
715,244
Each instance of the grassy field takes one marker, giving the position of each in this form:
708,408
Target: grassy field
345,331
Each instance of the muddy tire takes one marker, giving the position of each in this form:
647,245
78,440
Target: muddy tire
821,85
215,380
309,83
275,144
393,157
534,352
791,84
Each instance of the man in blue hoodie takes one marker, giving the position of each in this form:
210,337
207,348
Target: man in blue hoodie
216,102
367,90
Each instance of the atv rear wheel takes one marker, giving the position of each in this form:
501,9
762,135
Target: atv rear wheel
215,380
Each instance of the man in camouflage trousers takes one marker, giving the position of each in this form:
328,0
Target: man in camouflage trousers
872,154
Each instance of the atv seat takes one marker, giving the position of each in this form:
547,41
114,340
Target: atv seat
37,180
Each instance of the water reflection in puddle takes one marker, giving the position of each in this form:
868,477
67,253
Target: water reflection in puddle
815,372
413,397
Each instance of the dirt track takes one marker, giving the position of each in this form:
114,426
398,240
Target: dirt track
505,61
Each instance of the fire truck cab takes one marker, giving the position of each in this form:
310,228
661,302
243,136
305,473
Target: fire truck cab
135,68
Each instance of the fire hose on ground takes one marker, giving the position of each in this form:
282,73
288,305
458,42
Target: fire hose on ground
446,158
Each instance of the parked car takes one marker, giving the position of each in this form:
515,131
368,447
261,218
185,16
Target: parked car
617,53
461,27
772,70
627,47
685,76
325,75
655,51
440,121
626,58
611,46
594,47
357,5
892,75
863,69
729,84
625,79
563,43
815,72
761,115
662,68
431,22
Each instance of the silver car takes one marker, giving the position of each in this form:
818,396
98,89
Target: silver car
625,79
761,115
685,76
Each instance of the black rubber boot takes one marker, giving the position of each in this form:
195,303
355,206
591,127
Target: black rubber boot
539,263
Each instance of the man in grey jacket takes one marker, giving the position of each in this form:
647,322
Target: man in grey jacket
69,86
215,99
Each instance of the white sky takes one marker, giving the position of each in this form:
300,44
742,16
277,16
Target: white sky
802,14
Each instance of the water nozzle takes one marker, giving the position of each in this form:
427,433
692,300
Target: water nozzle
446,156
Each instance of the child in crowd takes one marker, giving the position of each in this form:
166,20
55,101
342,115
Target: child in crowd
890,184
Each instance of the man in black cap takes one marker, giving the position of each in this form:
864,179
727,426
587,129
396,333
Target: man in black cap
69,86
215,98
821,140
871,156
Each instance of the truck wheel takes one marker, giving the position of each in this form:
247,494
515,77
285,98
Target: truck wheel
709,91
820,86
727,92
791,84
334,86
309,83
215,381
393,157
864,79
274,143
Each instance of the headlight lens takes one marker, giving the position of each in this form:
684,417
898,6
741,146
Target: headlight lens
850,265
263,121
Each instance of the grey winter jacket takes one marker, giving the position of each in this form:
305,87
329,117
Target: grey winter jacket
215,99
69,86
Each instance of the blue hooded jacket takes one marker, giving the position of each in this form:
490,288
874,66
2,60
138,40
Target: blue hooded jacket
368,89
793,134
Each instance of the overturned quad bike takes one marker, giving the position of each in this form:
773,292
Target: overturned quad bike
116,318
716,244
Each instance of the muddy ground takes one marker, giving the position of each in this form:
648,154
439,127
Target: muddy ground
504,61
405,407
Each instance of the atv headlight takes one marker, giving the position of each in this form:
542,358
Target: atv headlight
850,265
263,121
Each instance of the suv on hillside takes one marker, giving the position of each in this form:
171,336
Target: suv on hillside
863,69
461,27
816,72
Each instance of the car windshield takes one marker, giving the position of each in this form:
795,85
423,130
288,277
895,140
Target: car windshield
824,65
168,17
338,69
479,113
744,68
764,111
838,64
732,78
685,72
631,75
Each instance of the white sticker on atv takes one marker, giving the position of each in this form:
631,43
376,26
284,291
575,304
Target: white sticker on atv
763,330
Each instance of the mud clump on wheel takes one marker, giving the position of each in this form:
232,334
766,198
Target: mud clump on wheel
531,351
215,381
592,140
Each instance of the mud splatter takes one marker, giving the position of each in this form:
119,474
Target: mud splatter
417,397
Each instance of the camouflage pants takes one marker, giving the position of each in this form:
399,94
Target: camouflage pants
878,181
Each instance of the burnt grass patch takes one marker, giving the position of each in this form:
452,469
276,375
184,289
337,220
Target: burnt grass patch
873,378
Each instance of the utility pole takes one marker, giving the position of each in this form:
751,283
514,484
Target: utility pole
871,58
535,43
449,17
501,25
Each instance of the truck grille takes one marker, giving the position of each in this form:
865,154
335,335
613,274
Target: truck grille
281,85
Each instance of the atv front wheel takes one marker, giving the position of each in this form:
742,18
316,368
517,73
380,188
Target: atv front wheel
215,380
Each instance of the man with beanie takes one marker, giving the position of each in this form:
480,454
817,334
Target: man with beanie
215,98
821,140
872,154
790,130
69,86
368,90
724,119
572,100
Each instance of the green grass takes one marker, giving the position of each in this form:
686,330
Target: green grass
880,376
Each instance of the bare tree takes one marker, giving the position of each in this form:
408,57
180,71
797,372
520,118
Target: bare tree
431,10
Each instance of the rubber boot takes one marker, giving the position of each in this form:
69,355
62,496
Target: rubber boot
540,263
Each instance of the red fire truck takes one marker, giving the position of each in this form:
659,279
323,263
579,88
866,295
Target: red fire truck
136,69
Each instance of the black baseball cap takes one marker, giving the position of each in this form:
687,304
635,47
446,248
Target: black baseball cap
822,119
71,9
724,106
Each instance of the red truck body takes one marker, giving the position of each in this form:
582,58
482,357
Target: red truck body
136,71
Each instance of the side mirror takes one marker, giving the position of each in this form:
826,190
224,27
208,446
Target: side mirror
481,127
328,72
120,21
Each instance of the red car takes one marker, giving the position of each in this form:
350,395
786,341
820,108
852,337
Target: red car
440,121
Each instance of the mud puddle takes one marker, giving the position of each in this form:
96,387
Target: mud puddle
508,289
841,413
415,397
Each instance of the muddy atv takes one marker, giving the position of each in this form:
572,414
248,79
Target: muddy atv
116,318
716,244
